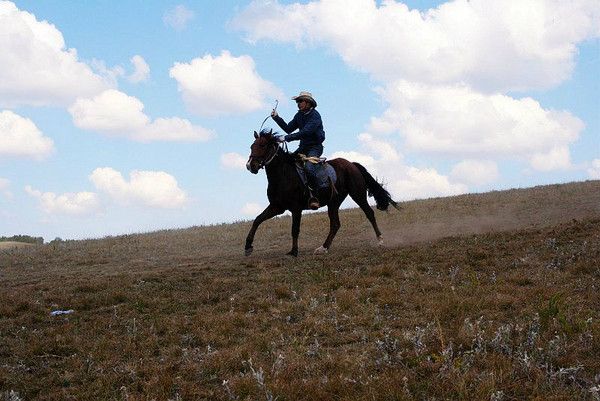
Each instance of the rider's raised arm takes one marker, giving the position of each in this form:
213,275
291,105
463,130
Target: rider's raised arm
288,128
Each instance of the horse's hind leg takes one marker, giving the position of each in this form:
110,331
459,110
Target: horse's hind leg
334,226
269,212
361,200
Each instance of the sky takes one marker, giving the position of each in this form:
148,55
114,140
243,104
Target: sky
135,116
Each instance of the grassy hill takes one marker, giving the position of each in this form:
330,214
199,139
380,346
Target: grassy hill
478,297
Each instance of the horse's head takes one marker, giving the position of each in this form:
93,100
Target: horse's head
262,151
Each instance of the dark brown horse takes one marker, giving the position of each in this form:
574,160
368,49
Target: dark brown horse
286,191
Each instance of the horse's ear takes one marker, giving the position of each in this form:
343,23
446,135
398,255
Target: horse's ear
255,134
271,131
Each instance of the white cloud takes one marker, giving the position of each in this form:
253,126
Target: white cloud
37,68
594,170
141,70
404,182
178,17
76,204
353,156
416,183
150,188
117,114
110,74
19,137
492,45
384,150
252,209
233,161
459,122
557,158
111,111
225,84
174,129
475,172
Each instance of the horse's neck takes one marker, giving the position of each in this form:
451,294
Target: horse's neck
276,168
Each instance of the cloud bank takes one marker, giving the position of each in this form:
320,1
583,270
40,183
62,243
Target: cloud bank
114,113
147,188
455,121
490,45
223,85
37,68
20,137
233,161
74,204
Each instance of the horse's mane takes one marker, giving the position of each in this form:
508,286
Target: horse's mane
268,133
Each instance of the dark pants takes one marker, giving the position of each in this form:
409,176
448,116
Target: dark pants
311,168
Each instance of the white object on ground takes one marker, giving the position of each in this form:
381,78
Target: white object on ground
61,312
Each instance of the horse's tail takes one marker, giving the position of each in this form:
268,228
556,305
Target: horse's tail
376,190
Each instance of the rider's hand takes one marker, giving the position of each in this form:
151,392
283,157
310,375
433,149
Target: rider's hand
274,113
280,138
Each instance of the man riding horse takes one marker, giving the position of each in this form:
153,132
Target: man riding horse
311,135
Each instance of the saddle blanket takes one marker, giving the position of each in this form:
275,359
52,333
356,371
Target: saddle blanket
323,172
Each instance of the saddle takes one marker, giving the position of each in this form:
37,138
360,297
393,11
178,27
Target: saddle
324,174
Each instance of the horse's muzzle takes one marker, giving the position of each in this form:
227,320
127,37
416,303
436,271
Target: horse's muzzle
252,166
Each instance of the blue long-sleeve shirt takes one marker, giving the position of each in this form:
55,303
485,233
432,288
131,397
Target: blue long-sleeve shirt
309,125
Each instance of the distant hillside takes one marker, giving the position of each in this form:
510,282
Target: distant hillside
23,238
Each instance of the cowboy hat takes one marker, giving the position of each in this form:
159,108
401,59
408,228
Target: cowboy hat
306,96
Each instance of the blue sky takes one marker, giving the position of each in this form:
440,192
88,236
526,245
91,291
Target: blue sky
128,117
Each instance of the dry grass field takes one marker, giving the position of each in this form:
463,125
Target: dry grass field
477,297
13,244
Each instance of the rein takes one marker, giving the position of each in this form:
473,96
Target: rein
266,162
269,159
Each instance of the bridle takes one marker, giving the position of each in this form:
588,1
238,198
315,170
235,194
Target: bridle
266,160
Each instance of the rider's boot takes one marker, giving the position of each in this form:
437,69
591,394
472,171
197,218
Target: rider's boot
313,201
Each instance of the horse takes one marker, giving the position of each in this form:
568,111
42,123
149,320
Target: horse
286,191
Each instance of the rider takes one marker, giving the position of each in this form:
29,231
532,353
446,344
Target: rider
310,133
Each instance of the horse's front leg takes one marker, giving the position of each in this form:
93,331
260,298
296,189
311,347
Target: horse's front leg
269,212
334,226
296,217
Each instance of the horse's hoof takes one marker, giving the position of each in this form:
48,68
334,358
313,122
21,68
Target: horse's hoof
293,252
321,250
248,251
380,241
